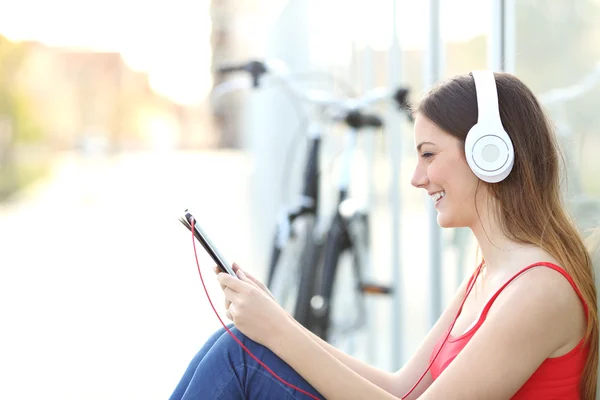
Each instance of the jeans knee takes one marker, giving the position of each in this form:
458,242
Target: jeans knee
229,342
233,348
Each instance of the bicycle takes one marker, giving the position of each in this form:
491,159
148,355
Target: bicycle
347,246
302,250
292,240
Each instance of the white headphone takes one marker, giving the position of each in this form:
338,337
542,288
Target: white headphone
488,148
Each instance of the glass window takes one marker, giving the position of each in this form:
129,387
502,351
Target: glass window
558,57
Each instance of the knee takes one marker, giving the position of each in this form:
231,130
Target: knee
229,342
232,347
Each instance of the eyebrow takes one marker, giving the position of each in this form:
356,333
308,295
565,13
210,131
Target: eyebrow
421,144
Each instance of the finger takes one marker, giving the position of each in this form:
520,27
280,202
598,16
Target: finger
231,312
242,275
217,270
256,281
233,283
237,269
230,295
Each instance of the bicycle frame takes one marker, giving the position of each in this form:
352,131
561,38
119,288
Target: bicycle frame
308,202
340,238
307,263
350,139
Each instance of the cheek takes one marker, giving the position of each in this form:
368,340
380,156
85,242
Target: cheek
440,171
454,174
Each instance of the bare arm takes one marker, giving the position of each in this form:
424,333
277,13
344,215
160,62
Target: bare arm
383,379
401,381
328,375
348,379
397,383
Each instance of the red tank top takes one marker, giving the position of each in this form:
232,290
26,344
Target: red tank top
555,378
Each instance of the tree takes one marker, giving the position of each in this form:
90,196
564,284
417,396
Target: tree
17,121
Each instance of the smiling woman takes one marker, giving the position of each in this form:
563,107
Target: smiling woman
523,326
519,221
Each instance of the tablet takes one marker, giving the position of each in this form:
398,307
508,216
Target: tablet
200,234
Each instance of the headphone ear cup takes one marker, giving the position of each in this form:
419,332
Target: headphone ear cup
489,154
488,148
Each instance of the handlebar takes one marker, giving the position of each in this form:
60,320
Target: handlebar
279,72
338,108
357,120
256,69
349,110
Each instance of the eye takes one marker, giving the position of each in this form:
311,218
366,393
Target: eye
427,155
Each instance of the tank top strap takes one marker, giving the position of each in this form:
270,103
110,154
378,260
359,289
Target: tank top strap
521,272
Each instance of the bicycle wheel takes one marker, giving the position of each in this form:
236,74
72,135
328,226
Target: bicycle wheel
340,305
274,260
309,266
292,272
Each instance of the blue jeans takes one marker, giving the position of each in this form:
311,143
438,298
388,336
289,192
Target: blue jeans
223,370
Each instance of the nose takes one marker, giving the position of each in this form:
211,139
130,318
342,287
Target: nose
419,178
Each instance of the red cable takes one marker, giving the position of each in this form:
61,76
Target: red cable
447,335
230,333
289,384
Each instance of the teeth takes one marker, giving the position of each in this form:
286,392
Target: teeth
438,195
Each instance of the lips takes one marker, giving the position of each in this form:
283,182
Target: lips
437,196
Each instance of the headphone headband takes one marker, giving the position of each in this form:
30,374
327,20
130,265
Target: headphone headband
487,97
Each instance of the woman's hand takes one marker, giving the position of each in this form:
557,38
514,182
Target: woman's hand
236,269
252,308
256,281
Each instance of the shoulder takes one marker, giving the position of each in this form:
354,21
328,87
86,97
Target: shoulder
548,288
541,299
529,321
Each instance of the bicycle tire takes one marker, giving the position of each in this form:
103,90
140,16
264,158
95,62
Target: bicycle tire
291,275
273,261
308,281
309,262
342,319
336,243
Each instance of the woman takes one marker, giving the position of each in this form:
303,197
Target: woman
523,326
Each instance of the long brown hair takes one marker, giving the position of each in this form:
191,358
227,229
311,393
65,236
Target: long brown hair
530,203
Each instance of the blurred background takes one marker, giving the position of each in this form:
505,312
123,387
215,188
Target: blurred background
109,129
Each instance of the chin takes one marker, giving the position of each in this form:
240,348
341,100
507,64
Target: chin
445,222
